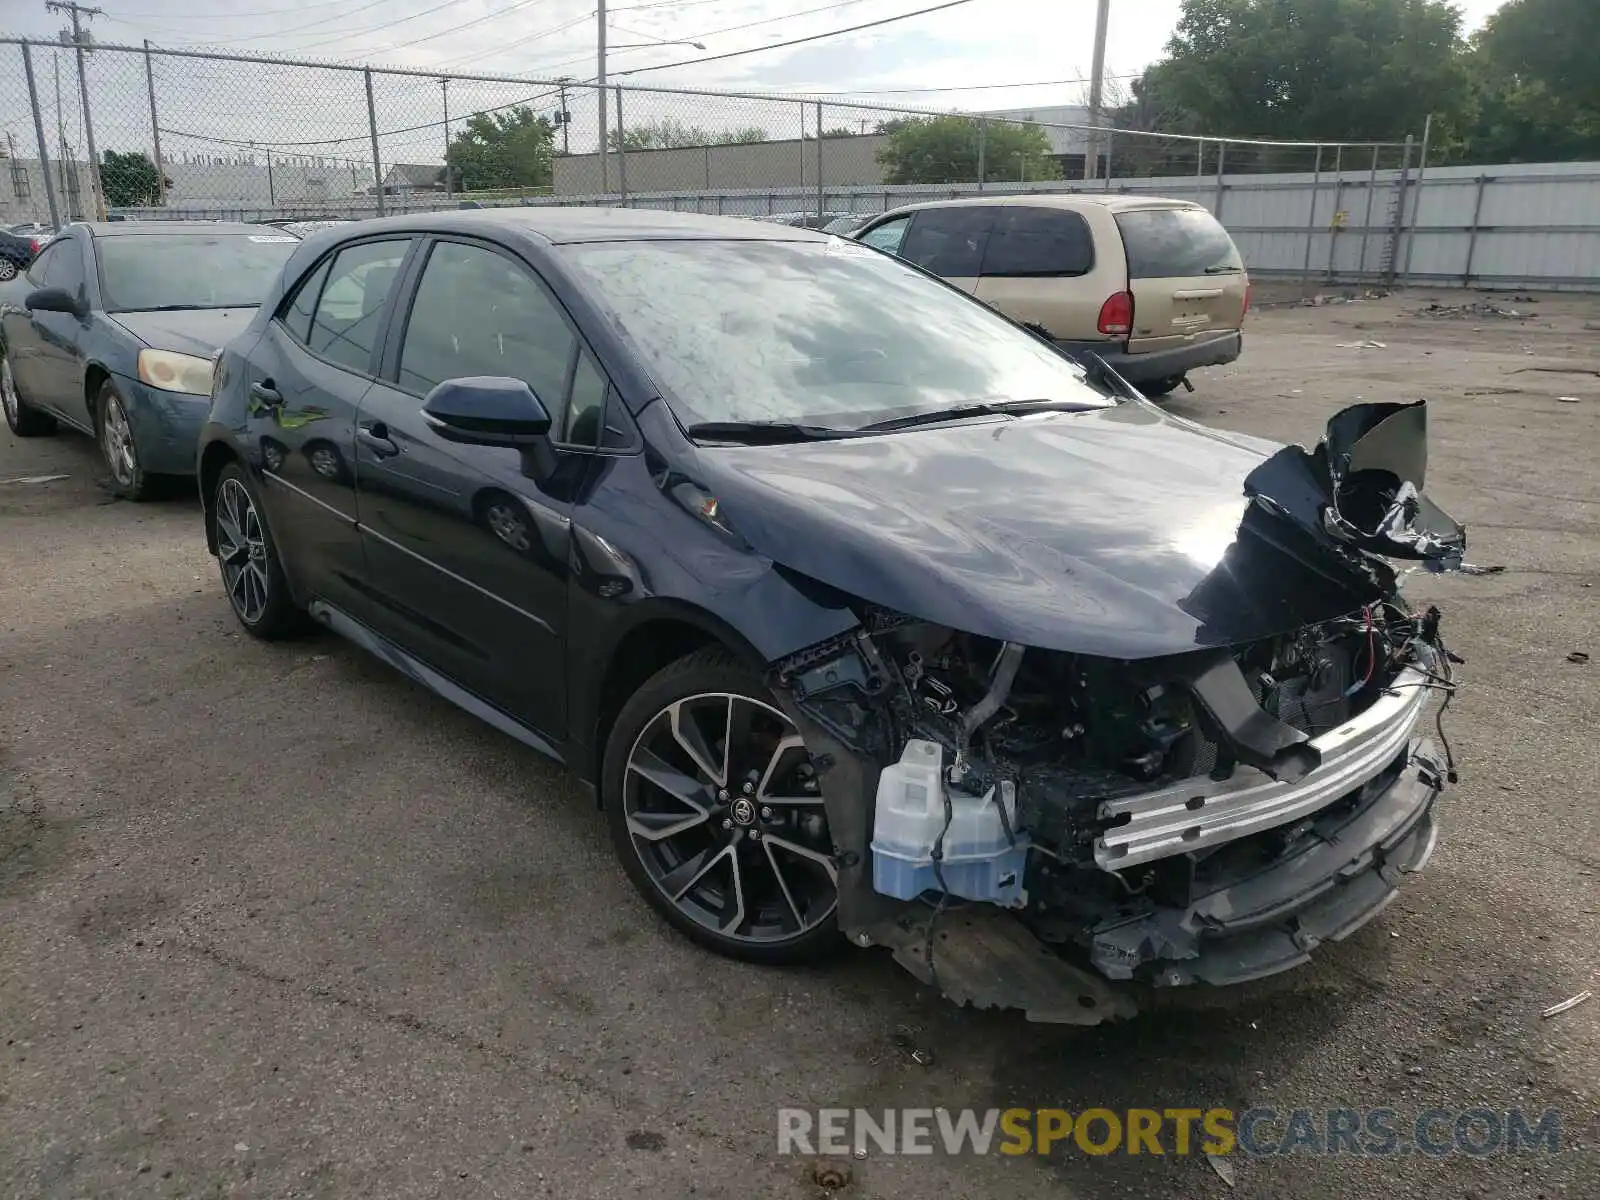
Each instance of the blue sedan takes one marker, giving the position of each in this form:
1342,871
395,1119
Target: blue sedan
111,330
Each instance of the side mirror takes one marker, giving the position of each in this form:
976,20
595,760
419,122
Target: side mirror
53,300
493,411
486,411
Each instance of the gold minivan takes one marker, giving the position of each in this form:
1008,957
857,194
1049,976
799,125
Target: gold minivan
1155,287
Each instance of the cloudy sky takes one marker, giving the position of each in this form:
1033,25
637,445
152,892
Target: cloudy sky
978,54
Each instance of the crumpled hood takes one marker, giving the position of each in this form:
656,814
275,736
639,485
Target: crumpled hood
1114,532
200,332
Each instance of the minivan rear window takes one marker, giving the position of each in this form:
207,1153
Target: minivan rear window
1174,243
1038,243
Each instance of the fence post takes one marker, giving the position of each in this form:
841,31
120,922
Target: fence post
1366,222
1416,198
1472,234
1222,153
622,155
1110,133
372,129
1398,226
821,199
983,139
155,128
1338,198
708,170
1311,217
38,132
272,191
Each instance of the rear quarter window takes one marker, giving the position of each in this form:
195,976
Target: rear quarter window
949,241
1038,243
1173,243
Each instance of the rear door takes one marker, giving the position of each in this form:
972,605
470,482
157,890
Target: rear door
314,363
1036,268
950,242
1187,278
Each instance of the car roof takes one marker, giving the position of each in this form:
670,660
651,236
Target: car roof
158,228
1067,200
560,225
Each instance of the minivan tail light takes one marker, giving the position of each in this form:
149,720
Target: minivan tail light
1116,315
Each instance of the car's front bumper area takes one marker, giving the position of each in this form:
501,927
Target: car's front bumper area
1158,365
166,425
1339,870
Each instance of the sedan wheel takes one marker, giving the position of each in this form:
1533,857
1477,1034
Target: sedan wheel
717,809
22,420
118,447
8,270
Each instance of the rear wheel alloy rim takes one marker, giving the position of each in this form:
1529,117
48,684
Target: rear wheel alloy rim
724,811
8,269
8,391
116,439
242,550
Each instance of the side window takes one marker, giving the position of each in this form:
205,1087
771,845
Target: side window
478,313
37,267
887,236
65,268
586,411
1034,242
346,323
949,241
297,316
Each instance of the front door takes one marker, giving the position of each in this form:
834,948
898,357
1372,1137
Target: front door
54,378
468,551
314,364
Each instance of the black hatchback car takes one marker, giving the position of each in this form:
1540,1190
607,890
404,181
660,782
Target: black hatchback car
861,608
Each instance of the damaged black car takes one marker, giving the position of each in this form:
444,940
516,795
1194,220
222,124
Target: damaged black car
869,616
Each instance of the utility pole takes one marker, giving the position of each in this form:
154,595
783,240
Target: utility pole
1097,88
600,95
79,41
155,128
566,117
449,183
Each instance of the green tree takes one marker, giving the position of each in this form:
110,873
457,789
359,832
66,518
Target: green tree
1298,70
1538,91
512,148
130,180
945,150
667,133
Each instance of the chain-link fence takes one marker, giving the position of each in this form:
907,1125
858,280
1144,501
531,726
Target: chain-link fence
238,137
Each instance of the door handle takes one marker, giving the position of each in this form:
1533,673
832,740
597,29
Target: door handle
375,437
262,392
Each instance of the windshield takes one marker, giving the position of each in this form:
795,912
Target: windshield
196,270
824,333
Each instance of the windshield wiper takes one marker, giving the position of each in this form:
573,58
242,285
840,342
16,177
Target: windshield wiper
1222,270
762,433
982,408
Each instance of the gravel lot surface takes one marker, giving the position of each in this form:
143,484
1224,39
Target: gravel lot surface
275,922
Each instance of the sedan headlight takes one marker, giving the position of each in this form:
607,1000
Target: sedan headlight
173,372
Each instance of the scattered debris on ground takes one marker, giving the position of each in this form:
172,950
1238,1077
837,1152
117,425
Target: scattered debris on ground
1473,308
28,480
1568,400
1222,1167
1557,1009
1324,298
830,1176
1365,344
1578,656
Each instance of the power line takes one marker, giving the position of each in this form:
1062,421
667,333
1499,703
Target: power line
494,16
815,37
964,87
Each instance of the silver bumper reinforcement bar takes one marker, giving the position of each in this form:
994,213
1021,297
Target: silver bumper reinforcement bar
1205,812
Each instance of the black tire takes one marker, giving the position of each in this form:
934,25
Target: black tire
119,447
270,613
816,934
20,418
8,269
1157,388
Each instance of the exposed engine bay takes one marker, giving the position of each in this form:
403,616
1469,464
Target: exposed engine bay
1204,816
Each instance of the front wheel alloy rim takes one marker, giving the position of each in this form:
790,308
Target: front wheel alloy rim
116,438
8,391
242,550
725,813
